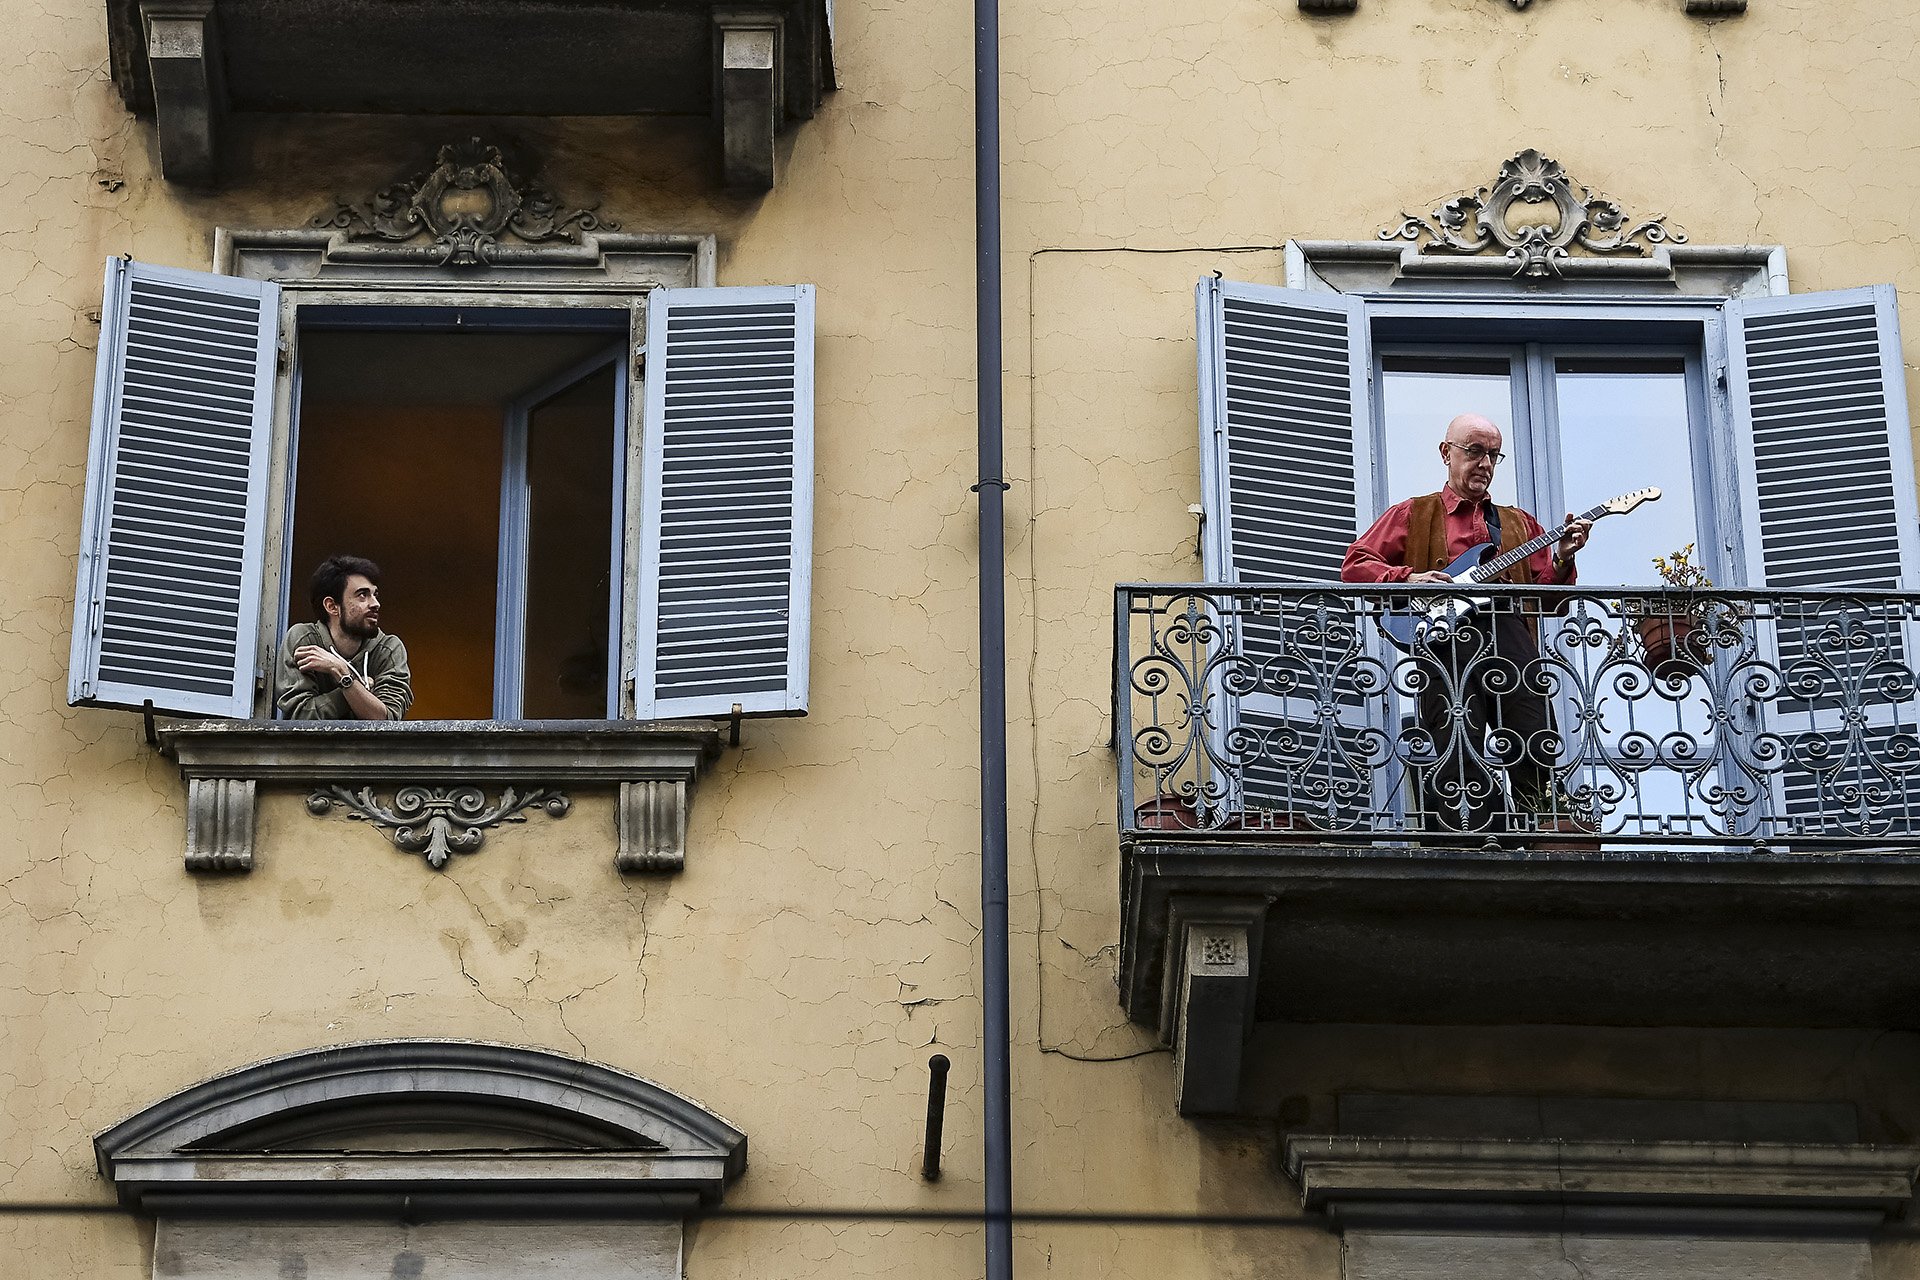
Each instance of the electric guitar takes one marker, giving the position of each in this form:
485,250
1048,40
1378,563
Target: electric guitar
1430,621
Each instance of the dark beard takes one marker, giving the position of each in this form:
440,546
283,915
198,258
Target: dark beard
360,630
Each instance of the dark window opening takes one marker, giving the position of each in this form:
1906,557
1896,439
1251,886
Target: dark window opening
479,469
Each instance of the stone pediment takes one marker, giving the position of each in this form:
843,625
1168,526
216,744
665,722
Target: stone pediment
363,1128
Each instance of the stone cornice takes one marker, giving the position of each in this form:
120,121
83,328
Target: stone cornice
1410,1180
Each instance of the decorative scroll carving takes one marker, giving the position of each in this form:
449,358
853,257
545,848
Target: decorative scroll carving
438,822
466,203
1499,219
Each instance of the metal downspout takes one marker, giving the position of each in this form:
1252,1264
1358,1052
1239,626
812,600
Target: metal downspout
996,1030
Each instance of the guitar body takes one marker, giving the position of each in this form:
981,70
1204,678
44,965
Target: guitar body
1417,625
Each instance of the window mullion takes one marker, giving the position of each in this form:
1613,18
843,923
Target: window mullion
1541,485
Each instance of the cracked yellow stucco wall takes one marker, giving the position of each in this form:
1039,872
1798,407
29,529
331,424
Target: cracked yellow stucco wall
824,937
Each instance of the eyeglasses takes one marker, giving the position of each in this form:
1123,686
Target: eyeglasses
1476,452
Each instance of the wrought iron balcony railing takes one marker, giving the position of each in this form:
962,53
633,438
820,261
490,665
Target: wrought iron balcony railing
1534,715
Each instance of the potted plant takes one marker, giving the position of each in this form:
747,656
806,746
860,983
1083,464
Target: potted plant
1668,629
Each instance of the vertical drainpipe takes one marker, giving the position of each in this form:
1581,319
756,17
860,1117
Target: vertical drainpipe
996,1031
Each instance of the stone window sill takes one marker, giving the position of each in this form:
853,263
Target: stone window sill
437,787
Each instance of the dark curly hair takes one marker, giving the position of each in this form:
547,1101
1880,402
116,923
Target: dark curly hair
330,580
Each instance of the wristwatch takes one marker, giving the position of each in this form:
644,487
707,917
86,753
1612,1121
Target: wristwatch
346,681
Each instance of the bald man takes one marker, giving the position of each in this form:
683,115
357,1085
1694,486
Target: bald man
1414,541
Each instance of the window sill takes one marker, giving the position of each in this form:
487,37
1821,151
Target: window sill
436,788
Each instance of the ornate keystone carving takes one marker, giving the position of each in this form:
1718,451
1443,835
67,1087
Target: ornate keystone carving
438,822
1504,218
465,204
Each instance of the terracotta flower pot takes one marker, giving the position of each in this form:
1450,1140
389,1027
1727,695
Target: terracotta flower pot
1669,643
1165,813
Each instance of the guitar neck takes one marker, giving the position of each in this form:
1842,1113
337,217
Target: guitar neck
1506,559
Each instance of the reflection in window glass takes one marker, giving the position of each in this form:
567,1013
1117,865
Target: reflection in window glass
1623,426
1419,395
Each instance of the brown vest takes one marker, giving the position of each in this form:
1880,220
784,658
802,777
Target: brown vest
1427,537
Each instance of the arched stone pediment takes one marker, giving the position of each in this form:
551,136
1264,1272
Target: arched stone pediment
427,1126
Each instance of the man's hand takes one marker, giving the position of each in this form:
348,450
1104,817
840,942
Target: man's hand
313,658
1430,577
1576,537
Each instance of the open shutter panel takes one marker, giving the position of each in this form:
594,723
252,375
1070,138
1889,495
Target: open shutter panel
1828,503
1284,441
727,491
1286,456
168,601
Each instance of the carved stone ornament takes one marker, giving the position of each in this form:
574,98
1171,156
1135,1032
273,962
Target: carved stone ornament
1507,217
438,822
465,203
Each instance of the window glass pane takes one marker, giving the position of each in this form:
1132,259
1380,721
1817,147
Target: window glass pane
570,447
1623,425
1419,395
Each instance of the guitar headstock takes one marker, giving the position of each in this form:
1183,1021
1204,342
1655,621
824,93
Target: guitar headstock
1628,501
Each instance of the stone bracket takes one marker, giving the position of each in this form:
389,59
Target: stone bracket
440,775
1207,1007
747,47
652,816
220,824
189,97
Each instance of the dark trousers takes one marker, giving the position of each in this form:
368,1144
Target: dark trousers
1484,711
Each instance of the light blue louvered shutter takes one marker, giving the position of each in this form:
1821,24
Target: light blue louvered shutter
1286,458
167,604
1285,449
1827,498
727,503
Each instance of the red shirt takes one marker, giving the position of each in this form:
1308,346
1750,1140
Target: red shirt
1380,554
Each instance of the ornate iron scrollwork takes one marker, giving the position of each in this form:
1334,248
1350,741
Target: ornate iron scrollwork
1712,716
466,203
1484,220
438,822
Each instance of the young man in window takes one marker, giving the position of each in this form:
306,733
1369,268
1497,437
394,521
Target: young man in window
1501,688
343,666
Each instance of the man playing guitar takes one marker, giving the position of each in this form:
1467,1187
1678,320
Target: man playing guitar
1415,541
